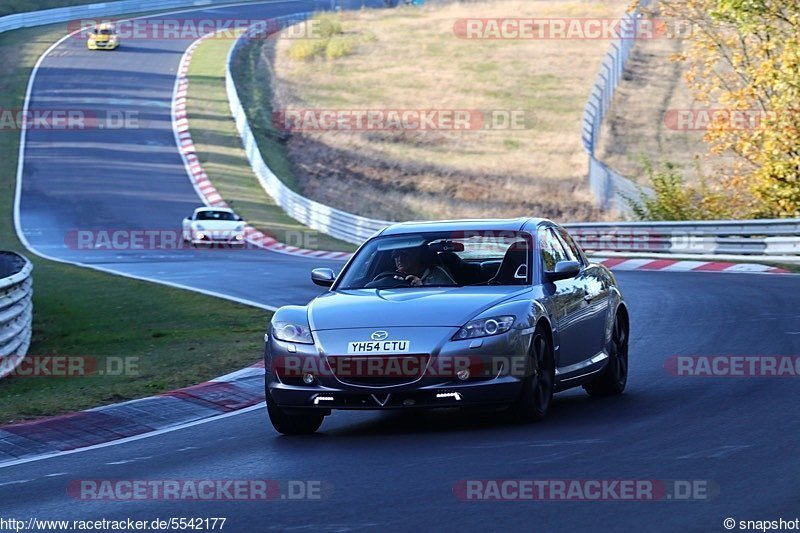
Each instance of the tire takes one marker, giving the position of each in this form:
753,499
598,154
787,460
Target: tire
615,376
292,424
537,391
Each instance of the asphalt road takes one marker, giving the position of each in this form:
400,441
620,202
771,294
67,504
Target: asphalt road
397,471
132,178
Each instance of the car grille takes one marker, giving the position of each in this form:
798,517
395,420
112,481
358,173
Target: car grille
378,371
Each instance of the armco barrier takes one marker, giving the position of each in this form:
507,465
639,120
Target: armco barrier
337,223
16,309
766,238
93,11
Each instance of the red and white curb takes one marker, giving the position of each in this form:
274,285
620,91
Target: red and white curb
55,435
676,265
205,189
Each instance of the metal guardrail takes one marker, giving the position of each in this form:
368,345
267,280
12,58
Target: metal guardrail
610,189
335,222
16,310
766,238
92,11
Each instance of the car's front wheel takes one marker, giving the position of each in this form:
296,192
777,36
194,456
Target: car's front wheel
537,390
292,424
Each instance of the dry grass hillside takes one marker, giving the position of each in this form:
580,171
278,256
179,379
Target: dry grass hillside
411,58
641,123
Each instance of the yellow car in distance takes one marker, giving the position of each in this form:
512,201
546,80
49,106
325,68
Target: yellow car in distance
103,37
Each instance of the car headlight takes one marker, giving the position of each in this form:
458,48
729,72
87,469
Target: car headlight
200,227
484,327
240,227
289,332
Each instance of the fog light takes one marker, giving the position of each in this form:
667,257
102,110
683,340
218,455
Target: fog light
239,237
308,379
200,236
319,399
442,395
463,375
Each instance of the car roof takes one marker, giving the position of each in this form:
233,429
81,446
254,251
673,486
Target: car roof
490,224
105,26
224,209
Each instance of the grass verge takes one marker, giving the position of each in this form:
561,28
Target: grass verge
220,150
179,338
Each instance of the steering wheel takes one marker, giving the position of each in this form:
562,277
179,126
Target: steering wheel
387,280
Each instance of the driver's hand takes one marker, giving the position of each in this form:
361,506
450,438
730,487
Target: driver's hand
414,281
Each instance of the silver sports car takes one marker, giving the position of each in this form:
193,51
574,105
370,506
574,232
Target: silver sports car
449,314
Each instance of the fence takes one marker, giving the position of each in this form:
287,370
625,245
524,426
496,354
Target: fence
609,188
16,309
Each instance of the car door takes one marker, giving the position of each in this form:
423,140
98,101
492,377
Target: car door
595,296
566,298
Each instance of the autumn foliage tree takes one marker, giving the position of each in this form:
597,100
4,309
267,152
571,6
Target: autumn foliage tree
744,56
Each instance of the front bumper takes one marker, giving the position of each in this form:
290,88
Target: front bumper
503,390
93,45
495,377
236,239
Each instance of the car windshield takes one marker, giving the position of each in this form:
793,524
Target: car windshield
440,260
103,31
215,215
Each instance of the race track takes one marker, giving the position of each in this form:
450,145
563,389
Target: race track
397,472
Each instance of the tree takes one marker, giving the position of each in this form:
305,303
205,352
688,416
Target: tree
744,56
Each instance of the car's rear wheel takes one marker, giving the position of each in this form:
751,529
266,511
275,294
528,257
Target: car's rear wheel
615,376
537,390
292,424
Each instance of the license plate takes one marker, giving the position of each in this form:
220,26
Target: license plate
362,347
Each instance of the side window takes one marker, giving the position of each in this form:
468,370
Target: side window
572,248
572,253
551,249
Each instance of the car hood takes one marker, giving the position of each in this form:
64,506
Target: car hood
418,307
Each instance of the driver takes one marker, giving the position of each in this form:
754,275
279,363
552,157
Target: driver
419,268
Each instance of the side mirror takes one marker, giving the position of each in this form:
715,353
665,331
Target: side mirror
563,270
324,277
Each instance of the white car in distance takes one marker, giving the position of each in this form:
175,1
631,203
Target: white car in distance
208,225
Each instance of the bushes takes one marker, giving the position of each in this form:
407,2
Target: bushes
327,40
674,199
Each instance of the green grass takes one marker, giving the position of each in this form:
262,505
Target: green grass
219,147
181,338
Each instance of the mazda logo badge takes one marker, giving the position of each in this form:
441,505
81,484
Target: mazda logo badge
379,335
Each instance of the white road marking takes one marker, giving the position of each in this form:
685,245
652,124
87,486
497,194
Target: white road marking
716,453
